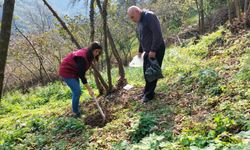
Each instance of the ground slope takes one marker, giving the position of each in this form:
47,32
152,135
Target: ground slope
202,103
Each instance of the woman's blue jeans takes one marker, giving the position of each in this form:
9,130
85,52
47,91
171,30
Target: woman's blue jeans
74,85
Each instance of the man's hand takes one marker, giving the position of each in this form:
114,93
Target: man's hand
152,54
139,54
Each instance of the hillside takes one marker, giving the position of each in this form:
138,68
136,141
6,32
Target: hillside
202,103
27,12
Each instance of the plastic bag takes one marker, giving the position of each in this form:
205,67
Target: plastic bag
153,72
136,61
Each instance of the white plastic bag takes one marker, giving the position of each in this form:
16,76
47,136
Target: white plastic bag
136,61
128,87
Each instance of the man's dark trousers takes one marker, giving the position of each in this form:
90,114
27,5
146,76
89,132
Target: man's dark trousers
150,86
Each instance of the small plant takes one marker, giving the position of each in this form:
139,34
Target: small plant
72,125
227,138
143,128
123,145
168,135
36,124
200,141
208,82
153,142
244,73
186,140
207,78
223,123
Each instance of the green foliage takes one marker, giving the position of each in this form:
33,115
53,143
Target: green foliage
151,142
244,73
123,145
54,91
72,125
196,140
207,78
39,131
174,24
142,128
36,124
227,138
42,96
41,140
24,122
135,76
223,123
168,135
171,21
241,146
208,81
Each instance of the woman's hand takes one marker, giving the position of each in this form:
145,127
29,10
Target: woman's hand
91,93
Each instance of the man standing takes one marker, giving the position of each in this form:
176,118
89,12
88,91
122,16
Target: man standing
151,42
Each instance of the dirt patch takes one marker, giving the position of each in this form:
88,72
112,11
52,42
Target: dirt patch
96,120
109,104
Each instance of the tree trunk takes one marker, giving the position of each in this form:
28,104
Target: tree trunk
92,38
229,5
75,42
122,79
246,13
8,8
202,17
104,12
237,8
92,20
245,6
199,14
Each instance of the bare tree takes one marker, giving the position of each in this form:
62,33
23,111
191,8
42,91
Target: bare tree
122,80
92,20
92,38
8,9
74,41
41,19
104,12
62,23
246,12
229,5
237,8
42,68
245,6
202,17
200,9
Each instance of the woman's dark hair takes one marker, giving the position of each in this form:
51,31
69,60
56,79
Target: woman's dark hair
94,45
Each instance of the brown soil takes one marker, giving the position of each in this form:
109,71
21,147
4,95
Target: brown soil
96,120
109,104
